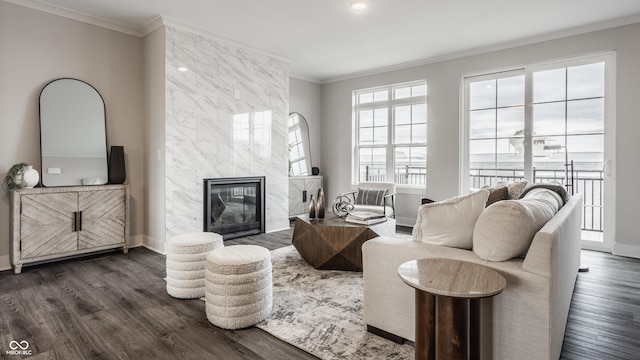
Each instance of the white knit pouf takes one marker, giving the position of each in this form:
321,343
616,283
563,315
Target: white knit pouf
238,289
186,260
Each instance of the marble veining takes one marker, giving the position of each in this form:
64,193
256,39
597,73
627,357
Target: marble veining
224,117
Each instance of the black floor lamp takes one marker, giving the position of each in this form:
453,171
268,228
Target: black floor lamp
568,168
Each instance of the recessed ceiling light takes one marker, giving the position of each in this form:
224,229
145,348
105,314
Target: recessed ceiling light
358,4
182,68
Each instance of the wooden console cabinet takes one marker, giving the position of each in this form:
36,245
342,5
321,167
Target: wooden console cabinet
300,190
59,222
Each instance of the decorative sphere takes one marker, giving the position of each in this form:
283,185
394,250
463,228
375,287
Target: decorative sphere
30,176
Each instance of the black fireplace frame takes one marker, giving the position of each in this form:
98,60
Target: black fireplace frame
240,230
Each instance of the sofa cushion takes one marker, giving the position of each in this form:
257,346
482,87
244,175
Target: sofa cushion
515,188
497,194
559,190
370,196
506,228
553,197
450,222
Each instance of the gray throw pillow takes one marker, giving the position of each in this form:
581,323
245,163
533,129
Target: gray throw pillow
497,194
371,196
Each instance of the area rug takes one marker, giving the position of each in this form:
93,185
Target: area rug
321,312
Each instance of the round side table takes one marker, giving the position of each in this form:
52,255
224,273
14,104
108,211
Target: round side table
452,289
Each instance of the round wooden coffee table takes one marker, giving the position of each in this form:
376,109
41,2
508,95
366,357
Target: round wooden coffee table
452,289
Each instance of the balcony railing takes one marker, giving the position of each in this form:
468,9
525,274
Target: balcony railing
405,175
589,183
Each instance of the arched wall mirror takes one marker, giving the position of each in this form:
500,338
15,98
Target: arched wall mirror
299,147
73,137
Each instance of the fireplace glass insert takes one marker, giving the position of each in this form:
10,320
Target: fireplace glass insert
234,207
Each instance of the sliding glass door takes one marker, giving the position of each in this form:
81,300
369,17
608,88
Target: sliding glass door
551,122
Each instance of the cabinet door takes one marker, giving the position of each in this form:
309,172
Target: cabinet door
47,224
103,218
313,185
296,205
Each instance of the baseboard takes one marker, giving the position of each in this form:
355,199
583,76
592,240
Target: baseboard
272,231
136,240
404,228
5,263
632,251
384,334
152,244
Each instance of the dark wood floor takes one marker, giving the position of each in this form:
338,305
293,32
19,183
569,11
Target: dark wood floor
604,319
114,306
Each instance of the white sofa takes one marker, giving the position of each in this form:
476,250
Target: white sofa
526,321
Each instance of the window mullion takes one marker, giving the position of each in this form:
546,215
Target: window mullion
390,142
528,126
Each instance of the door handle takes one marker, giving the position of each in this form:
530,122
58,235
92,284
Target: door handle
606,168
77,221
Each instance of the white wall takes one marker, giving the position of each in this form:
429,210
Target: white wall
305,98
154,149
37,47
443,81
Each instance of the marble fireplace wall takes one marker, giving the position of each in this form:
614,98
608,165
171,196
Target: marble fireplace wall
226,116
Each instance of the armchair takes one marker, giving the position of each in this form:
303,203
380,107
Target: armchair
378,197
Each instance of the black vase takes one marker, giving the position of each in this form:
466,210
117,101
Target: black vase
117,172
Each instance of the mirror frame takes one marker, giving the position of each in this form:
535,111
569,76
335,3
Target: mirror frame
99,175
306,142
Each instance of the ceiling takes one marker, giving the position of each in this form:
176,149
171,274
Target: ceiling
325,40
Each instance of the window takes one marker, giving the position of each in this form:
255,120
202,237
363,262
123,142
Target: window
390,137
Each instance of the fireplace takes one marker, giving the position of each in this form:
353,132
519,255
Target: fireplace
234,207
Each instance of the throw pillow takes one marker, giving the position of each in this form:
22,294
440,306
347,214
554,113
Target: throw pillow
370,196
497,194
450,222
506,229
557,188
515,188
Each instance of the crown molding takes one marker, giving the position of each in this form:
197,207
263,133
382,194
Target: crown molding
305,78
491,48
168,21
161,20
75,15
151,26
143,31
